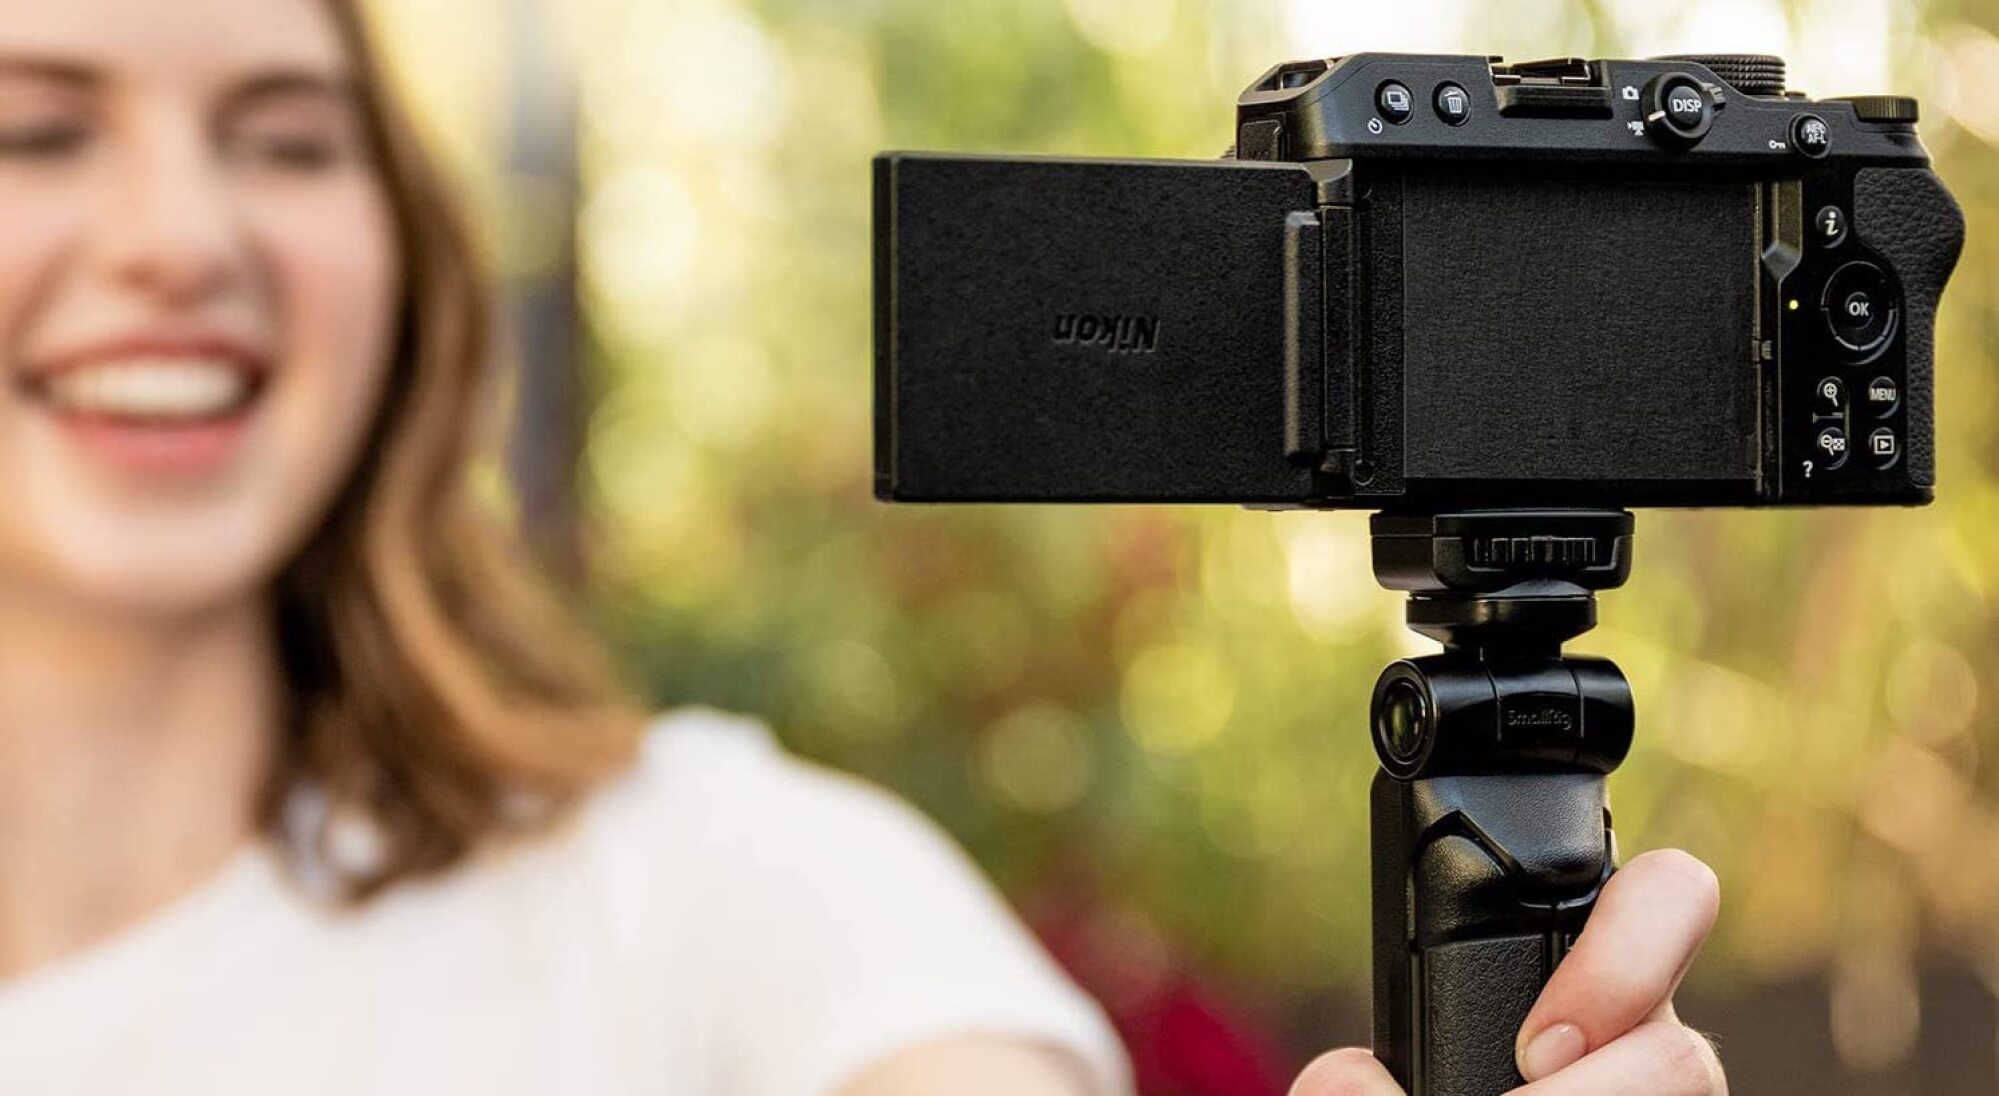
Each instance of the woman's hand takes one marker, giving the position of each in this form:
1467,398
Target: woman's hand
1604,1025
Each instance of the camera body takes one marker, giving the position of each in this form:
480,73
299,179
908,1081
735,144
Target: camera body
1426,283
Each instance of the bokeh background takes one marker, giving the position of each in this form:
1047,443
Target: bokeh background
1148,723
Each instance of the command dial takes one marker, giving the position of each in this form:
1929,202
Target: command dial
1748,73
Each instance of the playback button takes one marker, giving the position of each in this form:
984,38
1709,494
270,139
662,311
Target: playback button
1884,447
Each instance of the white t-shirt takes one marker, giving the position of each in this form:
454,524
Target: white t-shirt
724,921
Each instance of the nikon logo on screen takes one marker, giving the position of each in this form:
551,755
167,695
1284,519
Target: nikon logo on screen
1132,334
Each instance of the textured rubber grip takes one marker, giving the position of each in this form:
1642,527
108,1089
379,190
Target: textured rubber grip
1475,995
1479,884
1908,216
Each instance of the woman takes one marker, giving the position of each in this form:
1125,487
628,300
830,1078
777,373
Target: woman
303,786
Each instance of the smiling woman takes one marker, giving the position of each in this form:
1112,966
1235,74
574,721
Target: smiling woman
305,785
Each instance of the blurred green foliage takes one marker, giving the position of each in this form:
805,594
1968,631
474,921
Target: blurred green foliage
1173,700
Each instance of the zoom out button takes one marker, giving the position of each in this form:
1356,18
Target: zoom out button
1831,445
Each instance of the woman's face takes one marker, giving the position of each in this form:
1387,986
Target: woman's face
197,286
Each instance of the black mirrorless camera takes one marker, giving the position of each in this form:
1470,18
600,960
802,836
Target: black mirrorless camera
1426,283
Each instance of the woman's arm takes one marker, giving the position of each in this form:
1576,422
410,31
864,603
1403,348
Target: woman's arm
973,1066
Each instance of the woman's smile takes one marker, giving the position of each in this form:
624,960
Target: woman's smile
159,403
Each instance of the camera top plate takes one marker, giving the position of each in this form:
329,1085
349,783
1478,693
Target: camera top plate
1662,111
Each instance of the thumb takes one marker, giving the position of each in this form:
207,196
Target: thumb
1349,1072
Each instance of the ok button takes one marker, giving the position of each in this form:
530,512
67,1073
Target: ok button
1860,309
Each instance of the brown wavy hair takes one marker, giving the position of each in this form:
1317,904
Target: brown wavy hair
439,693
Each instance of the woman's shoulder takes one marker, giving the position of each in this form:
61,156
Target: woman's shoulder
705,776
835,913
717,802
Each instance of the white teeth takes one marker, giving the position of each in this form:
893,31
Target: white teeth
171,389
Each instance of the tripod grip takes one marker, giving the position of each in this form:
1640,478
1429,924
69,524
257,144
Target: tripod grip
1481,882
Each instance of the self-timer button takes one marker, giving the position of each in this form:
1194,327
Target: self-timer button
1860,309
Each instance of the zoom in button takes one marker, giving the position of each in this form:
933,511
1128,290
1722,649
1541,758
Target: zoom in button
1860,309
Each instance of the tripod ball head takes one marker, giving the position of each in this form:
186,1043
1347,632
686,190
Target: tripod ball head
1458,713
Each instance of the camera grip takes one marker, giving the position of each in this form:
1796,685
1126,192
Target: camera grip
1908,216
1480,884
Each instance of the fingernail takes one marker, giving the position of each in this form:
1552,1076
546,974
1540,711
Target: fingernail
1553,1050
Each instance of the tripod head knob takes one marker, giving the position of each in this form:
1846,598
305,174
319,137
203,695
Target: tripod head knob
1523,581
1491,551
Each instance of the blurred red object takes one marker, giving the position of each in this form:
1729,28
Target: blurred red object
1183,1037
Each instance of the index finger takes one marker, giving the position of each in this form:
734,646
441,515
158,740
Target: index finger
1641,938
